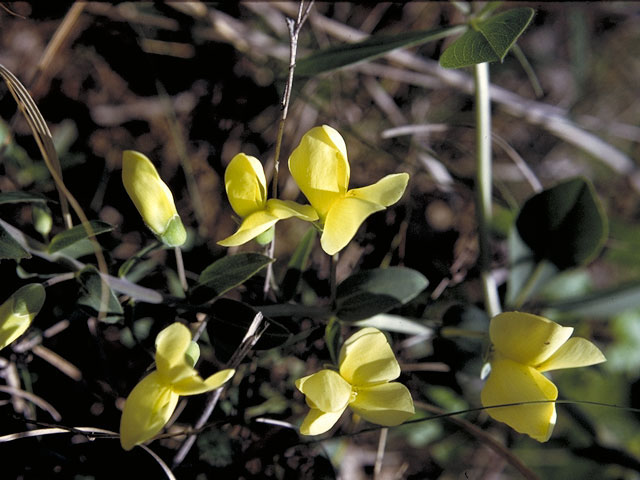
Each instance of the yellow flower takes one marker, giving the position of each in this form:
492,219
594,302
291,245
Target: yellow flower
320,167
152,198
152,402
524,346
246,188
18,311
367,366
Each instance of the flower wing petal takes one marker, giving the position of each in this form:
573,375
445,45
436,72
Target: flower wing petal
195,384
326,390
146,411
386,404
526,338
252,226
343,220
575,352
317,422
512,382
245,184
320,168
385,191
366,358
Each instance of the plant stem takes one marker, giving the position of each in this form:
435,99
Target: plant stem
180,267
484,185
332,279
382,443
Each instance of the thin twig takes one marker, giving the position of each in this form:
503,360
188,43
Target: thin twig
382,444
180,267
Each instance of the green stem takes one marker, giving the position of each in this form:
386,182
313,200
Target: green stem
180,267
332,279
484,185
527,288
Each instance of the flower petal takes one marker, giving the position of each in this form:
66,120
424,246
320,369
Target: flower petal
343,220
326,390
195,384
320,168
366,358
286,209
146,411
149,193
385,191
252,226
245,184
576,352
386,404
512,382
172,344
317,421
525,338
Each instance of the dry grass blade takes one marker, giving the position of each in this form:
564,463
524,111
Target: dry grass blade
36,400
44,139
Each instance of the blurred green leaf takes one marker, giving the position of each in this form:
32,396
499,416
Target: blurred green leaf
487,40
604,303
76,234
10,248
298,263
332,338
623,355
91,291
342,55
564,224
19,197
132,261
395,323
370,292
227,273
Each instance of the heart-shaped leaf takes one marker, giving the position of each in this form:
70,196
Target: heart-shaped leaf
370,292
78,233
487,40
564,224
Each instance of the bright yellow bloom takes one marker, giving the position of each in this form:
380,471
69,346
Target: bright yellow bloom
524,346
152,402
152,198
320,167
367,366
246,188
18,311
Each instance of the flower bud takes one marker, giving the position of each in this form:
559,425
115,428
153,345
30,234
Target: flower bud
18,311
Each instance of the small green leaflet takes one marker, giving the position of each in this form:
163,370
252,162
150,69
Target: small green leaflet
19,197
77,233
10,248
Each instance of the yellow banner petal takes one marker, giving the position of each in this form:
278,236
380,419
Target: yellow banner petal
576,352
287,209
512,382
252,226
343,220
245,184
317,422
195,385
146,411
171,345
366,358
385,191
387,404
320,168
326,389
526,338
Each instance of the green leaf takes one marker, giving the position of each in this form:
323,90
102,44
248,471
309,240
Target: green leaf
135,259
10,248
332,338
20,197
395,323
487,40
91,292
227,273
339,56
298,264
77,233
370,292
565,224
601,304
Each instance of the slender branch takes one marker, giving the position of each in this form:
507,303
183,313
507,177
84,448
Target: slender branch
484,185
382,444
333,267
180,267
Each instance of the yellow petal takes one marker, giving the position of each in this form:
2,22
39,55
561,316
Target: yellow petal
525,338
146,411
576,352
287,209
343,220
320,168
195,385
366,358
149,193
245,183
19,310
252,226
386,404
385,191
326,390
511,382
172,344
317,421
